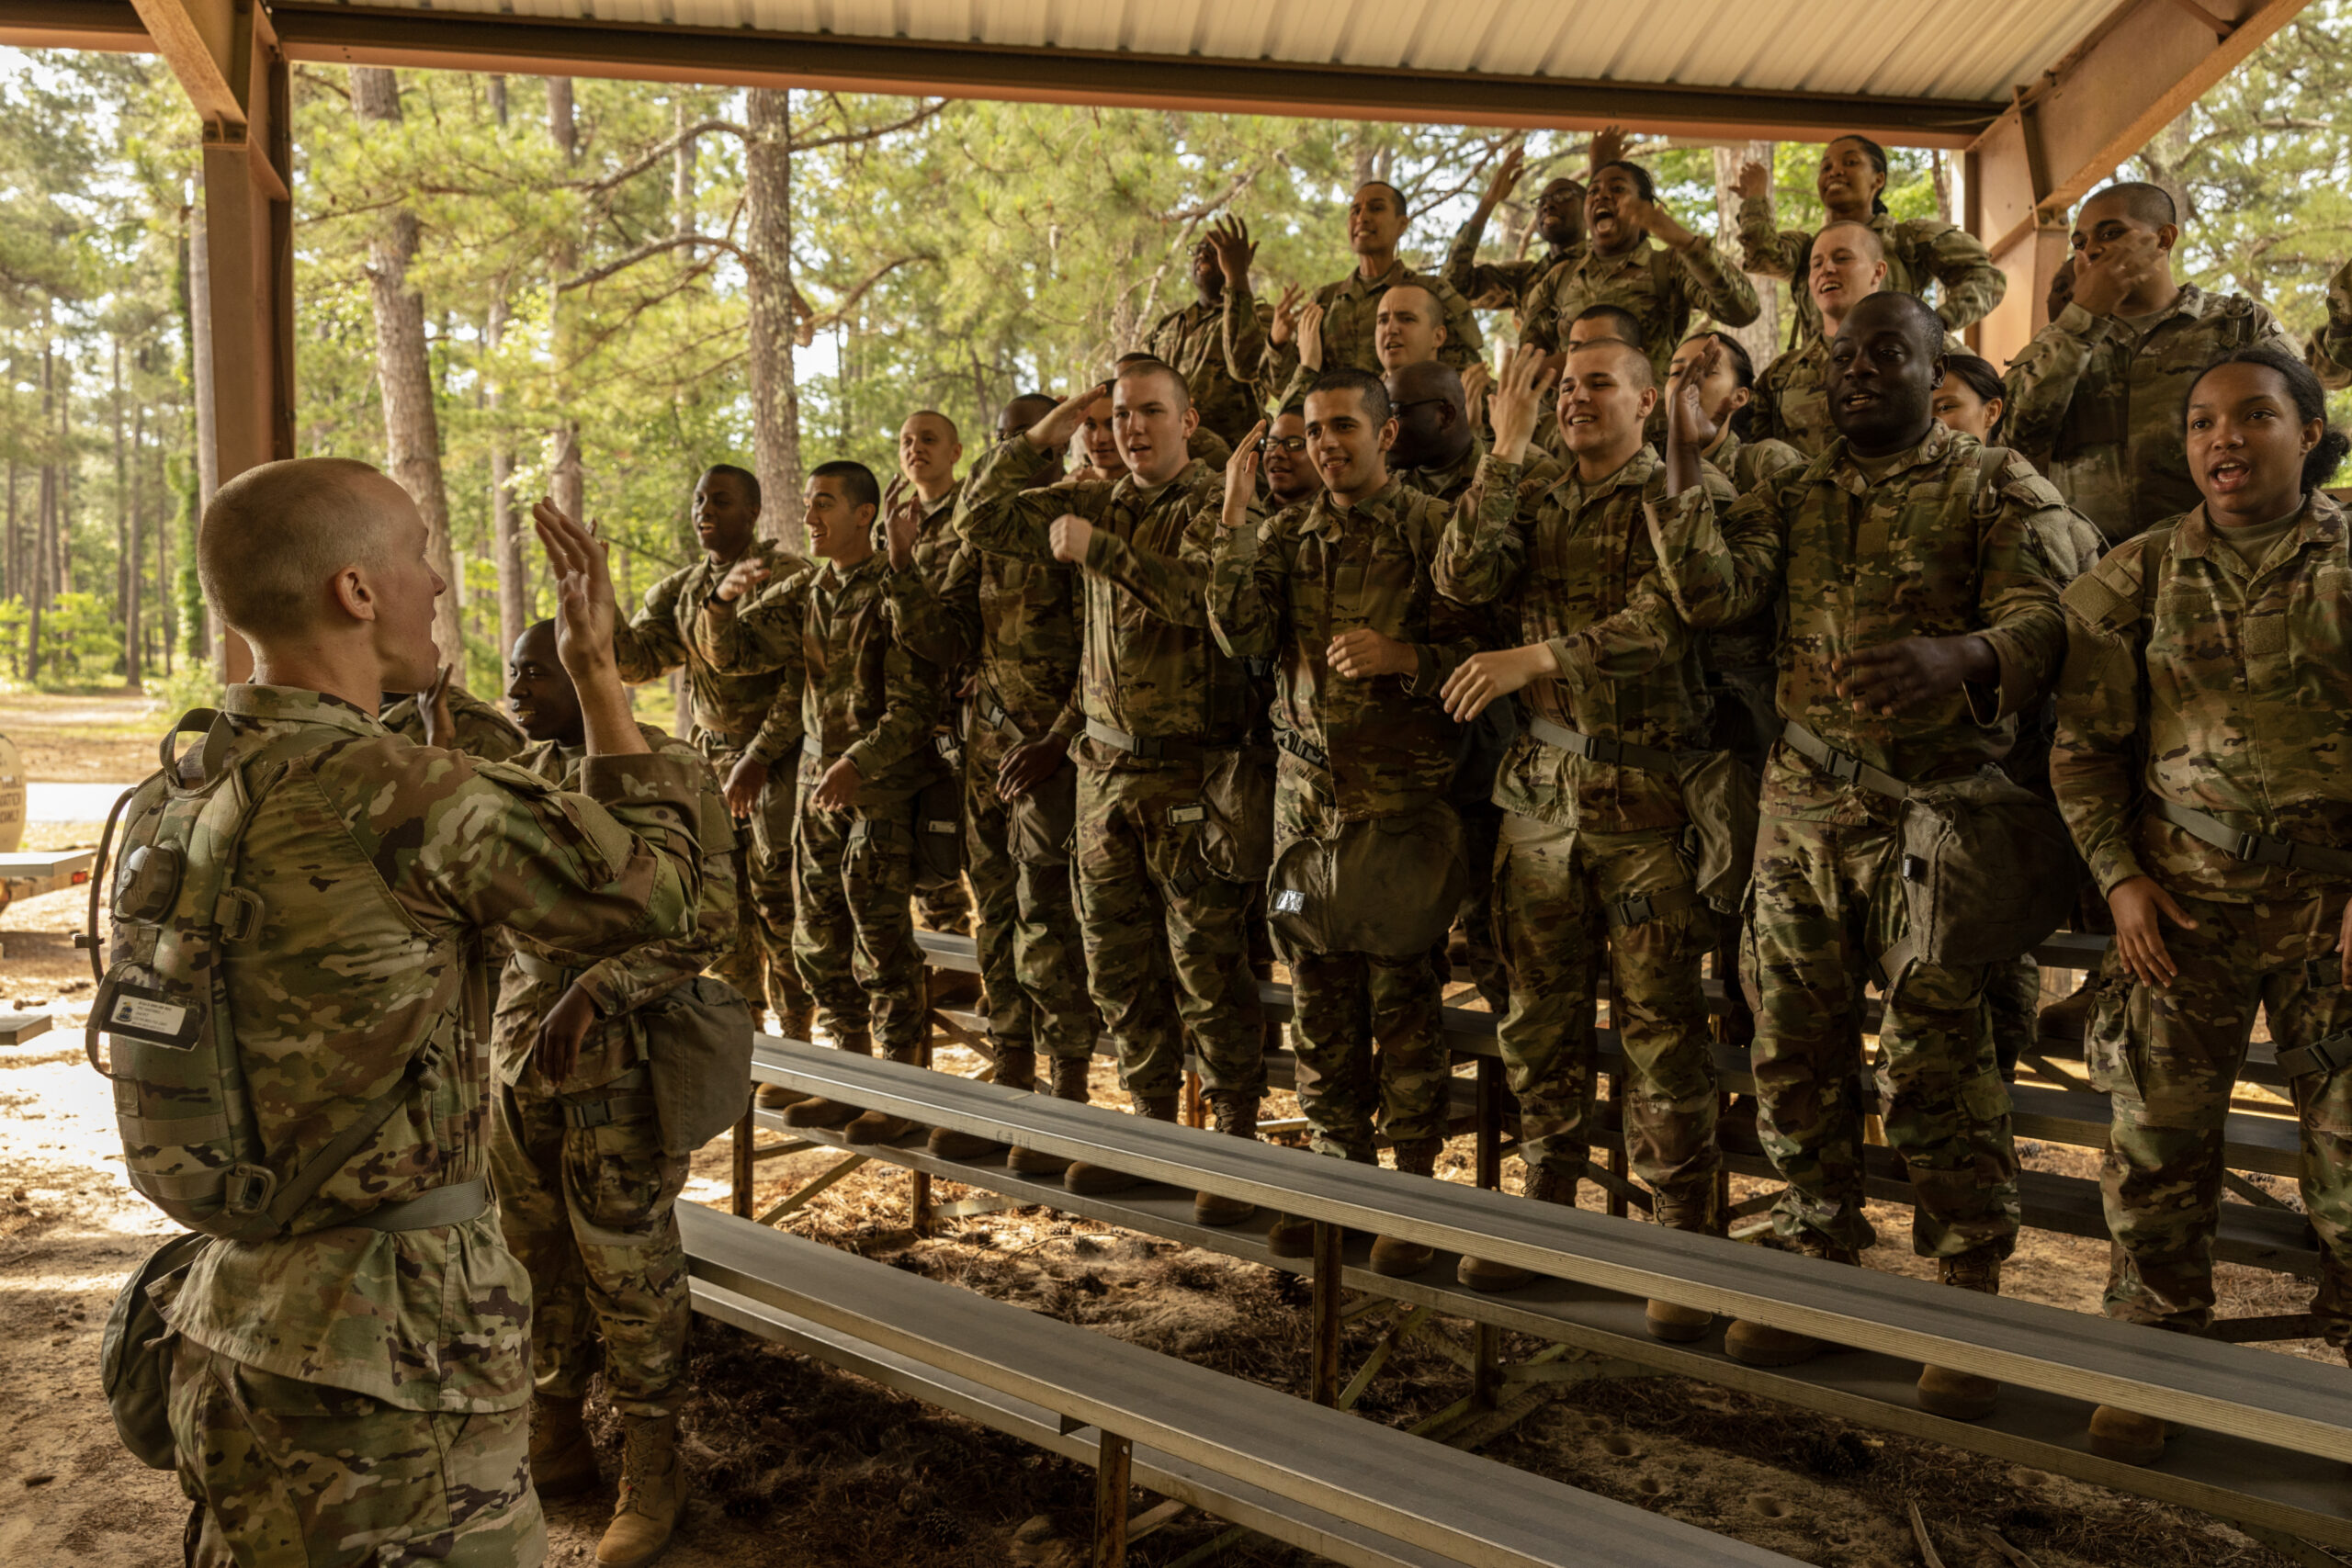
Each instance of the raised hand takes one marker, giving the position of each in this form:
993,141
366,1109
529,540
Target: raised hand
740,578
1519,400
585,613
1310,337
906,522
1477,382
2123,266
1687,419
1236,252
1285,322
1052,433
1608,146
1658,222
1755,181
1241,476
1506,177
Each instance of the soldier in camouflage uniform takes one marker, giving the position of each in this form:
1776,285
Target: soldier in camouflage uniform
1559,224
1919,251
860,708
928,450
1660,284
481,730
2329,352
2208,677
727,712
1592,859
1376,219
2094,398
586,1197
1290,477
1409,328
1920,612
1017,622
1337,592
1192,340
355,1391
1165,864
1791,403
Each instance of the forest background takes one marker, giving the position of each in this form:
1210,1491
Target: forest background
510,287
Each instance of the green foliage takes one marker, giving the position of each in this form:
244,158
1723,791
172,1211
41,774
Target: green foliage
79,642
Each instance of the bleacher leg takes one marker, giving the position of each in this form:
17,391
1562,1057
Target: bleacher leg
742,1151
919,1202
1486,1367
1196,1113
1324,1373
1111,1482
1490,1173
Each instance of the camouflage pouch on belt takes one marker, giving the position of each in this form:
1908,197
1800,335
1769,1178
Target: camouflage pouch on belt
1720,793
135,1356
1040,825
698,1040
1386,885
939,833
1989,872
1238,833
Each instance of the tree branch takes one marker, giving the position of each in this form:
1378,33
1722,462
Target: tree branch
658,152
873,133
645,253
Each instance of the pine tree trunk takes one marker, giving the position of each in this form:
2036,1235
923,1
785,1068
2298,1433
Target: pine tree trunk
505,528
1761,337
567,479
776,398
403,365
48,518
134,647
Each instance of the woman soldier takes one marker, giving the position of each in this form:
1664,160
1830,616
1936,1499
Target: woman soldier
2204,733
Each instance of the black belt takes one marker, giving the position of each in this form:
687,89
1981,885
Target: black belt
1152,748
1843,766
2255,849
1613,753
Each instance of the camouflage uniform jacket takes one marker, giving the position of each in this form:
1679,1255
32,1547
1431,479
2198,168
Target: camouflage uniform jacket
2330,351
1350,308
728,706
1446,481
861,693
626,981
1506,282
1574,561
1663,288
377,864
483,730
1749,461
1919,251
1791,403
1283,590
1749,644
1148,666
2098,409
1020,621
1855,564
2215,688
1191,341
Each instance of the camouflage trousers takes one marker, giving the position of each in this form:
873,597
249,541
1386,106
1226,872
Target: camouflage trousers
1824,904
2170,1059
1365,1029
2013,1009
592,1213
1165,938
1025,926
1553,890
853,934
289,1474
758,962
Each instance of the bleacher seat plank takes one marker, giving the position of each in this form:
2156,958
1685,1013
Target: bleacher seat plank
1465,1508
2228,1389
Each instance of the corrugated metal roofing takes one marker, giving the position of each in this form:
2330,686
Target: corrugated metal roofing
1920,48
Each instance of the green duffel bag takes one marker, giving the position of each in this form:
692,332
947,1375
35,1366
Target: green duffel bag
1386,885
1987,870
135,1356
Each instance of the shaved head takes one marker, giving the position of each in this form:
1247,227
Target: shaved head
1631,363
276,536
2150,205
1144,367
1861,236
1429,378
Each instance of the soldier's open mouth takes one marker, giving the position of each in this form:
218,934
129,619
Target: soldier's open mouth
2229,475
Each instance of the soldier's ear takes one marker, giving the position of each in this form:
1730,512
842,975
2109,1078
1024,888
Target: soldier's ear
2167,236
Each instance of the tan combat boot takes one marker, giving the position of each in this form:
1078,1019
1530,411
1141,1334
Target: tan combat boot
1235,1115
1094,1181
1665,1320
562,1458
1016,1068
1393,1256
1758,1345
1546,1184
2126,1437
815,1112
1291,1236
1069,1083
880,1126
654,1495
788,1026
1962,1396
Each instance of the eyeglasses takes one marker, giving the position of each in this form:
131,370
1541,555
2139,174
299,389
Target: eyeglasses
1395,409
1294,445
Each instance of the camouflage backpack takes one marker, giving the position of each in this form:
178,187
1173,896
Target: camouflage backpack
191,1144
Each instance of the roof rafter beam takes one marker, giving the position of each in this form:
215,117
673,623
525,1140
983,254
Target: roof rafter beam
376,35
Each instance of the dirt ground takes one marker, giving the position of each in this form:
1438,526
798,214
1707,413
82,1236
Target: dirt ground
798,1466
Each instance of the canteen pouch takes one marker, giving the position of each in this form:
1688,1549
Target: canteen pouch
1386,885
1237,835
1042,826
1987,871
698,1039
1720,795
939,833
135,1356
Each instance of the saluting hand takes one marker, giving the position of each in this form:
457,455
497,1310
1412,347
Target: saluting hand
1069,536
1052,433
2139,905
1241,476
